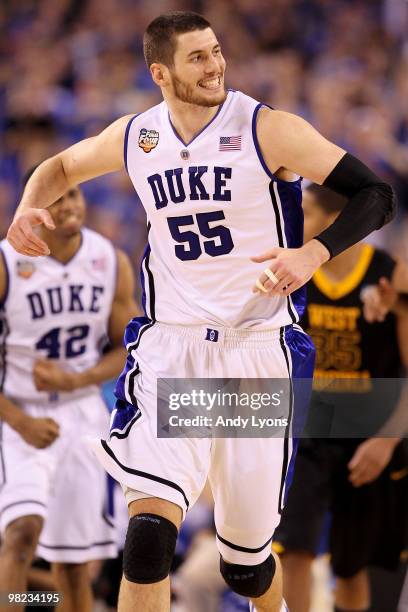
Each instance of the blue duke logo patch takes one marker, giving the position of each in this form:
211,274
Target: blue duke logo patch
212,335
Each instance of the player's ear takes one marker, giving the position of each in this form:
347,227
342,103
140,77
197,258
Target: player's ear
159,74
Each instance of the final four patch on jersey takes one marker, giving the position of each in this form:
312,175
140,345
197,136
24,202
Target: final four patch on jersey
25,269
148,139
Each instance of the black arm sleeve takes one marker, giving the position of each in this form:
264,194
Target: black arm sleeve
371,204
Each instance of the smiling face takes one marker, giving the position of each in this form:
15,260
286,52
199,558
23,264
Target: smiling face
68,213
196,75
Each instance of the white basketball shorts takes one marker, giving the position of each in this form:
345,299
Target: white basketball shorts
247,476
62,483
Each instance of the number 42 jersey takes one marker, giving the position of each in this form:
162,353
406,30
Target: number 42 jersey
55,311
211,205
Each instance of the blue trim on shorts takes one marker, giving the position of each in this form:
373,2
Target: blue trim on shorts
288,427
133,335
124,416
302,352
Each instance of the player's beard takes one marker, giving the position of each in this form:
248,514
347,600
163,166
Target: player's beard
191,95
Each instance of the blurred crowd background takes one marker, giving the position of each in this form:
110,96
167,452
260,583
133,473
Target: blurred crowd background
70,67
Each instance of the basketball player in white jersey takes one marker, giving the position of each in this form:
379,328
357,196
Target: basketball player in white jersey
57,314
217,174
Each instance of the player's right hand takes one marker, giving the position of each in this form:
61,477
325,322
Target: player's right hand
21,235
378,300
38,432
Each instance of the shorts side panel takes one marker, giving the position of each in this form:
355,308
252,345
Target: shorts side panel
246,473
28,473
300,352
174,469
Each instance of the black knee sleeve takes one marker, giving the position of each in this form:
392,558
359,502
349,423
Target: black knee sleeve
249,580
149,548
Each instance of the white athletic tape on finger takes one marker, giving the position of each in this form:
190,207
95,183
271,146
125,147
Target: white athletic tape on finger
260,286
271,276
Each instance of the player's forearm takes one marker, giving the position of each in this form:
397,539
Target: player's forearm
110,366
10,413
46,185
317,252
371,204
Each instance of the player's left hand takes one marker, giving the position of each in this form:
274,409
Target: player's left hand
369,460
290,268
48,376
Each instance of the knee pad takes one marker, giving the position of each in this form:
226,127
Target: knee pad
149,548
249,580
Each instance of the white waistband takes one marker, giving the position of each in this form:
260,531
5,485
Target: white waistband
221,335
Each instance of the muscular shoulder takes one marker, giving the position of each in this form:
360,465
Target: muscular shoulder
278,121
115,132
273,129
288,142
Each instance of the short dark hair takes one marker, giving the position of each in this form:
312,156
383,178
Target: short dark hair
159,42
328,200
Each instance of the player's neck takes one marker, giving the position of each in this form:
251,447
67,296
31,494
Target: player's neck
189,119
63,249
338,268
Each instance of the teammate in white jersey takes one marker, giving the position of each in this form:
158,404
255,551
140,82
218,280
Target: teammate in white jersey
215,172
57,314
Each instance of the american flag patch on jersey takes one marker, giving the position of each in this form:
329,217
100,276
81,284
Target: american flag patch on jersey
230,143
99,264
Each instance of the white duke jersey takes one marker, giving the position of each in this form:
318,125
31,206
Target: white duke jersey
211,204
55,311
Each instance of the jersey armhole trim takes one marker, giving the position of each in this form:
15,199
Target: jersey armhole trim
3,299
116,274
125,143
272,176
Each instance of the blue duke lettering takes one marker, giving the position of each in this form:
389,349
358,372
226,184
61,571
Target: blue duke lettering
177,185
74,298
